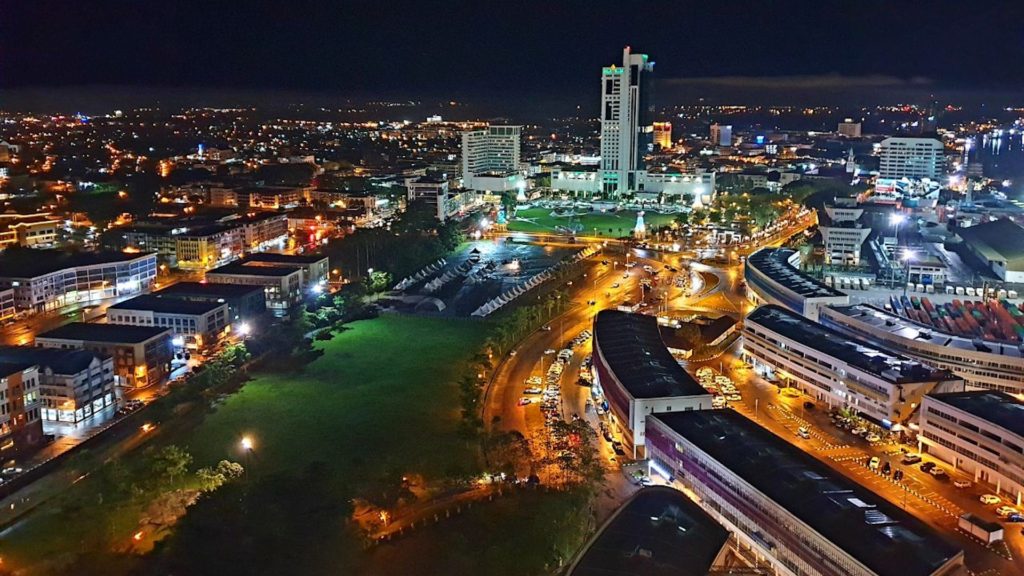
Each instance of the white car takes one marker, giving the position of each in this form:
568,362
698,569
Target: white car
616,285
990,499
872,438
804,433
532,390
734,398
550,351
1004,511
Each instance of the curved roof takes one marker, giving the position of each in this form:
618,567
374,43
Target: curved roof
631,345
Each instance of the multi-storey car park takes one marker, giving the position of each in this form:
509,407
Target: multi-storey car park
773,278
982,365
840,370
981,433
790,509
638,374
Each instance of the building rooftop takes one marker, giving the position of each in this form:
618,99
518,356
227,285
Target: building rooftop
998,241
60,360
31,263
114,333
905,328
657,532
774,263
244,268
277,258
9,368
208,289
992,406
878,534
859,353
166,305
633,348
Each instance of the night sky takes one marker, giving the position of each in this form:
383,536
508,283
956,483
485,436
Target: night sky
507,47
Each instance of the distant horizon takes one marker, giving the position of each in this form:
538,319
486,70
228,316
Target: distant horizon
823,90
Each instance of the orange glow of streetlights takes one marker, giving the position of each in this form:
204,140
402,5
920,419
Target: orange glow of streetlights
247,443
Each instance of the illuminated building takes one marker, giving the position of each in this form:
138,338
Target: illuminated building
626,133
21,428
663,135
73,384
142,354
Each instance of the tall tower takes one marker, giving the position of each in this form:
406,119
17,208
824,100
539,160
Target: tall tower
626,132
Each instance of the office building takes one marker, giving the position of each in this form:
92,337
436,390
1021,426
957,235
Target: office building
21,425
795,512
658,531
142,354
244,302
980,433
315,267
435,191
282,285
73,384
638,374
843,235
840,371
721,134
1000,245
982,365
911,158
663,135
772,277
849,128
490,159
196,325
51,279
626,133
29,230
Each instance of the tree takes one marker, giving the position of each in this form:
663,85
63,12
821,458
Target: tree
171,462
683,218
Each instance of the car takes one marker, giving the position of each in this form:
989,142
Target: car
604,262
546,328
897,475
911,458
734,398
874,462
550,351
872,438
525,401
630,264
886,468
859,430
591,302
938,473
532,390
927,466
718,402
616,285
808,405
1005,511
963,483
990,499
804,433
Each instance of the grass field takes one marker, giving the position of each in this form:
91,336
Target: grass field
540,220
383,394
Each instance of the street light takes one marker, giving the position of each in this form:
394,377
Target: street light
247,443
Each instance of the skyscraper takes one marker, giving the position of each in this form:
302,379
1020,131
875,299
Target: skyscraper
721,134
490,158
626,132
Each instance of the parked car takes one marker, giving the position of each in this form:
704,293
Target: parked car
873,463
804,433
990,499
963,483
525,401
938,473
872,438
1005,511
927,466
911,458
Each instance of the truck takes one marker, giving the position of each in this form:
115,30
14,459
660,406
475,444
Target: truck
984,530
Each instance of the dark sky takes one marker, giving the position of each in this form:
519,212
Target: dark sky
518,47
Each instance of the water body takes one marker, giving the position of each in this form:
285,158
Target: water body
1003,159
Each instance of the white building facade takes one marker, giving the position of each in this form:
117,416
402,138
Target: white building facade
626,131
911,158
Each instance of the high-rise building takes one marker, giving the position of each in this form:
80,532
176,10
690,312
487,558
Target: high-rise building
663,135
626,132
492,153
721,134
849,128
912,158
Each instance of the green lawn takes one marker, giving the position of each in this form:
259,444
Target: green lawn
540,220
384,394
383,397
